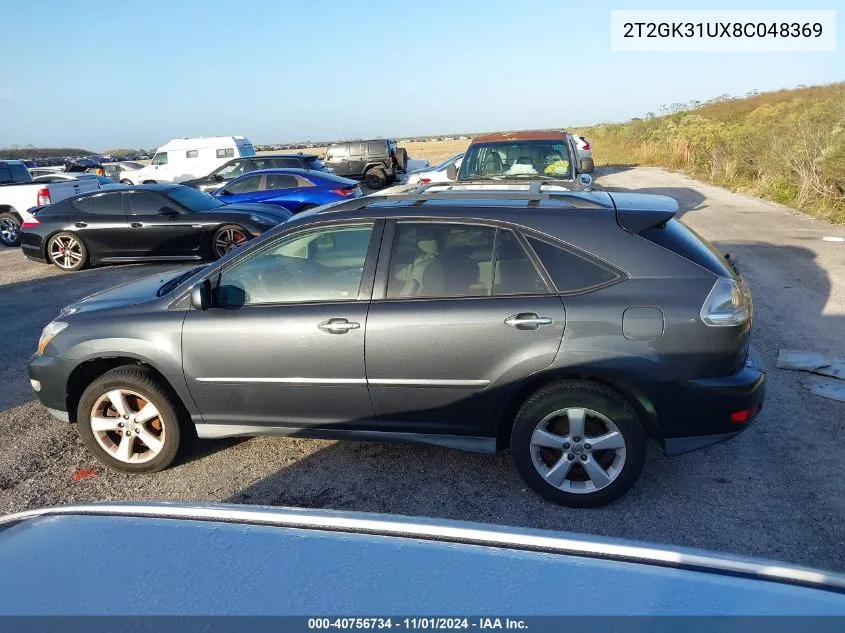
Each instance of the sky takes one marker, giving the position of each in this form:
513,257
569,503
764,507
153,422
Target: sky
105,74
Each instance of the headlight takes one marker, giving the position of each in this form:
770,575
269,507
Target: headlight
49,333
259,219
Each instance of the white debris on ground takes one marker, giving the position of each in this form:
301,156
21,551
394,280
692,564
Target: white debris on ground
829,378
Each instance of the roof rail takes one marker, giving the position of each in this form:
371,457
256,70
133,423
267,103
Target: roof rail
532,195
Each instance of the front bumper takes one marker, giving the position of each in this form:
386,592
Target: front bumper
52,375
693,414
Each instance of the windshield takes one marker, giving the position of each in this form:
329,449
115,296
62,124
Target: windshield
449,161
517,160
194,199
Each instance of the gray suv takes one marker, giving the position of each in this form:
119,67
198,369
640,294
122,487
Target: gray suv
568,326
376,162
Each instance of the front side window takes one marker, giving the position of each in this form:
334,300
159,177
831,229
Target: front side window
226,153
517,160
320,265
102,204
232,170
245,185
145,203
159,159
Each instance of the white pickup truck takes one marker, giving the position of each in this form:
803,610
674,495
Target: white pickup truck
18,194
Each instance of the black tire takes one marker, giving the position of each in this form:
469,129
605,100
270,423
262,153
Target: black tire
143,382
76,245
149,182
220,237
375,178
578,394
10,229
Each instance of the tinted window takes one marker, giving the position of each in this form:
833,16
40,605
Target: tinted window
356,149
192,153
683,241
263,163
5,175
514,272
232,170
441,260
145,203
103,204
376,148
159,159
314,163
226,153
290,163
281,181
322,265
245,185
570,272
193,199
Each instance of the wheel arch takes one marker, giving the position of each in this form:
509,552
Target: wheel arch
7,208
523,390
90,369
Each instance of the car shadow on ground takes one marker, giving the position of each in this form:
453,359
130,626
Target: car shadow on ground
606,170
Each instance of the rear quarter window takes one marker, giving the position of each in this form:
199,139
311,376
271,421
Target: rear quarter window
682,240
572,273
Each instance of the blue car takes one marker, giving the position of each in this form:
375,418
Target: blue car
294,189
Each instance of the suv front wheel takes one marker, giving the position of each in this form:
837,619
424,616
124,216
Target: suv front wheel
578,444
129,422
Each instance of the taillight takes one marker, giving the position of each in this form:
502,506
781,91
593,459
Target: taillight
586,145
344,192
425,180
28,224
729,303
43,198
744,415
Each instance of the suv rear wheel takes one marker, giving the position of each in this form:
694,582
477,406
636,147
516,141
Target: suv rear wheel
375,178
578,443
129,422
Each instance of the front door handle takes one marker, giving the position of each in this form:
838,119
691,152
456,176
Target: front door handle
528,321
136,225
81,225
338,326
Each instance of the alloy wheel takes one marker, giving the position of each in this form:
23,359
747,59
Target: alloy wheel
127,426
578,450
227,240
66,251
9,230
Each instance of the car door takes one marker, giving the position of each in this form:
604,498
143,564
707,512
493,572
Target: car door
282,190
102,223
160,227
356,159
244,189
460,313
283,344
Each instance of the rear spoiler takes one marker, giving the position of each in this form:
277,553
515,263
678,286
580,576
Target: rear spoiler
638,211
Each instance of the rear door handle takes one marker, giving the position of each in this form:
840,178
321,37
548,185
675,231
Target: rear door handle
338,326
528,321
81,225
136,225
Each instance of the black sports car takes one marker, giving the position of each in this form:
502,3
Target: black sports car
161,222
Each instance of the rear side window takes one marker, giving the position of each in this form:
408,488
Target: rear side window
192,153
376,148
682,240
145,203
287,163
356,149
103,204
281,181
569,272
5,175
228,152
514,272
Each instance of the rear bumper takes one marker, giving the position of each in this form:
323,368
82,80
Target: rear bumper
32,246
693,414
51,376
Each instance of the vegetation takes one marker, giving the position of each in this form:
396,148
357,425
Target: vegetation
26,152
788,146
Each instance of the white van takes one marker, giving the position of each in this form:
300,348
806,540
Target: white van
188,158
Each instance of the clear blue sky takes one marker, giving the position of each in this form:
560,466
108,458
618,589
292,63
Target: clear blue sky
101,74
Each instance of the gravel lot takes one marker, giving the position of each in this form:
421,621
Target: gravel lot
776,491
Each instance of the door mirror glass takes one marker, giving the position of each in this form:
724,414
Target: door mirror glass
585,179
586,166
201,296
452,172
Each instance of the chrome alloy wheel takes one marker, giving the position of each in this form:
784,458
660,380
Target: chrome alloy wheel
65,251
578,450
127,426
228,240
9,230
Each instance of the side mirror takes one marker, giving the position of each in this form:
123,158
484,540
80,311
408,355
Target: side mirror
217,177
201,295
452,172
586,166
223,192
585,180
